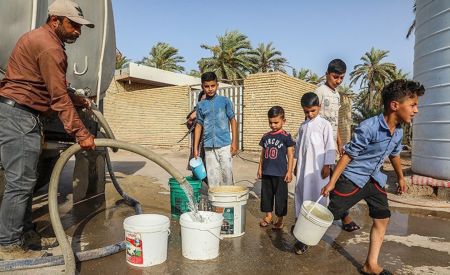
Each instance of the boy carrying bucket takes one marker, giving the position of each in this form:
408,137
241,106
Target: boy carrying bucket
315,153
214,116
357,175
275,168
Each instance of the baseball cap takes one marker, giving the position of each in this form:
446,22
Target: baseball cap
69,9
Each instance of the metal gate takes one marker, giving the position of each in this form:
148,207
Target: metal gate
235,94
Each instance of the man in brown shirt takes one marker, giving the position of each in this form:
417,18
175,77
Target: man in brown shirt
35,82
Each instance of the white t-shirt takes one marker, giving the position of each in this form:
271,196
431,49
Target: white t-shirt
330,102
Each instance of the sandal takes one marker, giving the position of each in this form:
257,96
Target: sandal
264,222
350,227
300,248
383,272
278,226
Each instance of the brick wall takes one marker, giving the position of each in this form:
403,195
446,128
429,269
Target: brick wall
345,119
148,116
145,115
264,90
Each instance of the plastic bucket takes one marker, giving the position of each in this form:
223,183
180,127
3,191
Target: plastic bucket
309,229
230,201
178,198
198,169
200,240
146,239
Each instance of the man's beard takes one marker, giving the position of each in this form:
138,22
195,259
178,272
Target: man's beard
65,36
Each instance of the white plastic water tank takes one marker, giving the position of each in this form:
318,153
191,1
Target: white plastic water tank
431,127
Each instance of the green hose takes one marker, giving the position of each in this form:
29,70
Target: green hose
66,248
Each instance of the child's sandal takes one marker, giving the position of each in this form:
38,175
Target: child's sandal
278,226
350,227
264,222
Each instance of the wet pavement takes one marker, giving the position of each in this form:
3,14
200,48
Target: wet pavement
267,251
417,240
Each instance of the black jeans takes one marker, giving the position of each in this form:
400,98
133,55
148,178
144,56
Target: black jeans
274,187
20,147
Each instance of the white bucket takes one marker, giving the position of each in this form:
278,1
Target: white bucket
309,229
200,240
230,201
146,239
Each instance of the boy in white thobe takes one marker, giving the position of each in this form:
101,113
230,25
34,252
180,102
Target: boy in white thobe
315,151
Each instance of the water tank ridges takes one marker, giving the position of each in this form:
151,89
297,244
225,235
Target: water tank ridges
431,127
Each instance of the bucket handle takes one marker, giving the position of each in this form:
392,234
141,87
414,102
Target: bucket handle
245,194
314,206
168,232
238,198
219,237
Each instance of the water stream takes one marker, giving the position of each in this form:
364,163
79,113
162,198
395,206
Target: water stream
192,204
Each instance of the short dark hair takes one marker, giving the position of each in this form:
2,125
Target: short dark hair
276,111
337,66
399,89
310,99
209,76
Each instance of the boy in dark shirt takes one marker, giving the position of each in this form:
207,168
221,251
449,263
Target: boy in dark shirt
275,169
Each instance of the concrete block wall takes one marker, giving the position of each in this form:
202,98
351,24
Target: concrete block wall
345,119
264,90
141,114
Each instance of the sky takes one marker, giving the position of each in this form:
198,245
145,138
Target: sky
309,33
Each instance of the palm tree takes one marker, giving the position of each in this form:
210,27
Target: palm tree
399,74
301,74
360,109
121,60
346,91
267,59
314,78
195,73
413,24
231,58
373,73
164,57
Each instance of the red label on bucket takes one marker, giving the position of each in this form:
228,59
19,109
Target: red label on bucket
134,248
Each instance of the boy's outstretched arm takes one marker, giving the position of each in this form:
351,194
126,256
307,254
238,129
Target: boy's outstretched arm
396,163
197,133
290,154
234,139
342,163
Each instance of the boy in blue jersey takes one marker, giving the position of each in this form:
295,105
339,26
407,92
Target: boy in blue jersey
275,168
